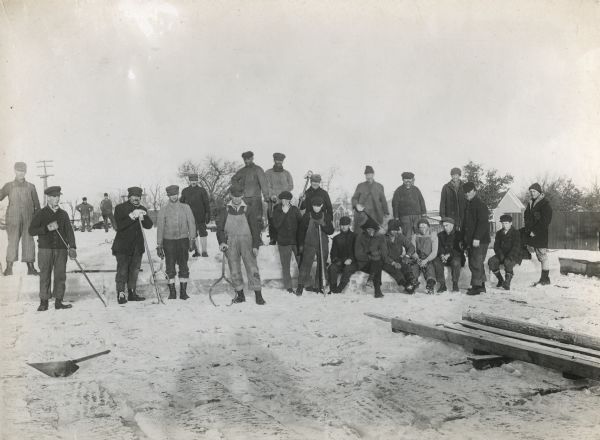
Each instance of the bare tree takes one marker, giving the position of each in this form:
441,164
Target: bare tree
328,176
156,197
214,174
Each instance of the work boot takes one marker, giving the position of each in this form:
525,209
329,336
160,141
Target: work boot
8,270
258,297
31,269
58,304
204,254
476,290
132,296
172,291
369,282
506,284
341,287
43,305
183,291
333,288
410,288
442,288
378,293
239,297
121,298
500,279
545,280
196,254
455,286
299,290
429,286
290,290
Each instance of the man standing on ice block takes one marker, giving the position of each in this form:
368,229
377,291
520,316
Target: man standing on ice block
128,246
176,230
49,225
253,183
238,234
538,215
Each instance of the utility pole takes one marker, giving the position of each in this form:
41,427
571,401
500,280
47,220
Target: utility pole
45,164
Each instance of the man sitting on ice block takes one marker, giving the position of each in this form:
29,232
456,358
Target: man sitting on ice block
507,248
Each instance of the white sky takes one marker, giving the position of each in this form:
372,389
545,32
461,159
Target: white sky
118,93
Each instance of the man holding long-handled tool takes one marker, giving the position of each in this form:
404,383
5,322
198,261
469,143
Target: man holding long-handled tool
128,246
56,240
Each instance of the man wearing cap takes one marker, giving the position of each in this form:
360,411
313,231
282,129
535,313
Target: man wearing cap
176,231
408,204
197,198
449,254
426,250
343,261
128,245
398,263
106,209
452,198
507,250
85,210
251,179
238,234
278,180
56,241
309,245
370,250
538,215
369,200
315,190
476,237
286,220
23,202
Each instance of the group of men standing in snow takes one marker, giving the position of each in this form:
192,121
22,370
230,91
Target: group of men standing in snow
405,249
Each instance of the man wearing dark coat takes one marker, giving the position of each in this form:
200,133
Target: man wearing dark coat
398,263
278,181
369,200
476,237
315,190
286,221
251,178
197,197
452,199
343,261
85,210
408,204
128,245
449,254
507,249
52,225
371,253
538,215
106,209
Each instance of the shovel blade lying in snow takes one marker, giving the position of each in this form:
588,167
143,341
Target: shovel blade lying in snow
63,368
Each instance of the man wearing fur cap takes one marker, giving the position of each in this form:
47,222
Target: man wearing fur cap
369,200
538,215
343,260
408,204
278,180
371,253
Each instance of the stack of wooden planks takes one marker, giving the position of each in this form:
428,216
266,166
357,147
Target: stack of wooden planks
576,355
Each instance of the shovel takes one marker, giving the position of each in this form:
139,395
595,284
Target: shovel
63,368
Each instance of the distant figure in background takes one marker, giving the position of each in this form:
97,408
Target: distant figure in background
23,203
286,220
47,224
507,249
369,200
86,210
106,209
408,204
426,251
278,180
449,254
452,199
197,198
128,245
370,250
538,215
476,237
176,231
251,179
343,260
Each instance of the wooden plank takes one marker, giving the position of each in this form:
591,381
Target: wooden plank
539,331
537,340
378,316
548,357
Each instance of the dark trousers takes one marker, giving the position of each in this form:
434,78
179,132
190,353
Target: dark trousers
52,260
403,275
339,268
453,263
176,252
476,257
428,271
495,262
111,217
86,223
255,207
128,267
373,268
285,256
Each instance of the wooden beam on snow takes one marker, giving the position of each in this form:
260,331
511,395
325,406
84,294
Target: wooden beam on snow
378,316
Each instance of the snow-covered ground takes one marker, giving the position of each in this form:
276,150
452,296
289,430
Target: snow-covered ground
312,367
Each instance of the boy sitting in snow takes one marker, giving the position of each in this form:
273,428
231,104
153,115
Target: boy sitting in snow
507,248
426,249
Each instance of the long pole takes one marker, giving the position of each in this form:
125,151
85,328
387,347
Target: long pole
160,300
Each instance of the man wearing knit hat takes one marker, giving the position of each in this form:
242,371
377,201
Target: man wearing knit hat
23,203
106,209
398,264
408,204
197,198
538,215
85,210
315,190
286,220
175,234
128,245
238,235
369,200
278,180
343,261
452,198
476,237
370,250
426,249
251,179
449,254
507,249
